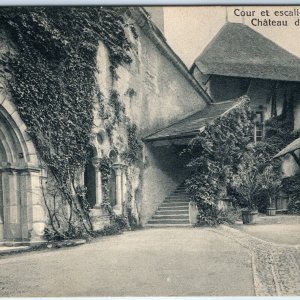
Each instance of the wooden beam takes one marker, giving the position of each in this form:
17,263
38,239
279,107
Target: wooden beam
296,158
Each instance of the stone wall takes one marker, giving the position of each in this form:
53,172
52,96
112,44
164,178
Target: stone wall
22,215
164,92
164,171
222,88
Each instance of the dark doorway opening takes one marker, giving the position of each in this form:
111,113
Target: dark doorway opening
90,179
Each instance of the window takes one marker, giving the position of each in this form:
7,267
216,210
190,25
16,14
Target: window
259,126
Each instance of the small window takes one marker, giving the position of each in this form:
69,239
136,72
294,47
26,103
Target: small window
259,126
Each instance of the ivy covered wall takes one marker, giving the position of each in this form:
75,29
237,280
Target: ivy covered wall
154,93
87,98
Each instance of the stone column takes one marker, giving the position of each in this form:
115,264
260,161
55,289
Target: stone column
96,164
1,219
118,171
1,208
32,197
11,207
124,189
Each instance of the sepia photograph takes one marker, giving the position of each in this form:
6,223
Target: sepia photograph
149,151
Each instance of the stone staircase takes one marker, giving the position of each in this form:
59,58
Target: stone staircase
173,212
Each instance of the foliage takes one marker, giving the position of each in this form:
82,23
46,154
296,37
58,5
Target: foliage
216,154
118,107
130,93
255,176
212,216
248,174
110,229
133,153
245,182
294,206
105,168
292,188
116,226
121,222
279,133
53,85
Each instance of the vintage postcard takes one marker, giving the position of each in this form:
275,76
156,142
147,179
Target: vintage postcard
149,151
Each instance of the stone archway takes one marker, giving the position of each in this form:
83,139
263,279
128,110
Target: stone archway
22,215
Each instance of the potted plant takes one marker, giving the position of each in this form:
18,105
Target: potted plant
271,183
256,177
245,184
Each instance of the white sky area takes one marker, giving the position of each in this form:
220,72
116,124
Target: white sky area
189,29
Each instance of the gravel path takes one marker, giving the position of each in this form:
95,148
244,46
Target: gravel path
275,267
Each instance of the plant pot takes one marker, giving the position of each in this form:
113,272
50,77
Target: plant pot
249,216
271,211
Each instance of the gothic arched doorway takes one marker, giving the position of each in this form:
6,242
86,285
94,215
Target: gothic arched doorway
21,213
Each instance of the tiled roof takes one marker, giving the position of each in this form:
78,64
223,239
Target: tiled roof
192,125
239,51
289,148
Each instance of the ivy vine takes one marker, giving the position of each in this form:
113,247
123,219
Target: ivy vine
215,155
51,77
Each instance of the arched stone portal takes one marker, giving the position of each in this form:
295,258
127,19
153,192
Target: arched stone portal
22,215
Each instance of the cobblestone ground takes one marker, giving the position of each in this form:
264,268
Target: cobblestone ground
276,269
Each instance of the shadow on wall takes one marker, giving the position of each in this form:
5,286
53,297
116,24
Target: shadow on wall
165,170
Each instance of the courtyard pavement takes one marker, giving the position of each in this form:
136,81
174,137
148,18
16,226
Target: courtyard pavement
151,262
274,244
246,260
280,229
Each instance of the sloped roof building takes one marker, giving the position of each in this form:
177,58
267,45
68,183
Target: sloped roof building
240,61
239,51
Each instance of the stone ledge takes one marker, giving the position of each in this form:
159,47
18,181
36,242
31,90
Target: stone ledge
66,243
15,249
19,247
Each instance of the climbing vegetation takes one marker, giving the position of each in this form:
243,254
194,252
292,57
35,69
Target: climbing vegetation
215,156
227,165
51,78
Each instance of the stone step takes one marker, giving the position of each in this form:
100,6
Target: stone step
173,209
181,191
166,225
168,221
175,206
174,203
180,205
172,212
179,197
170,217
